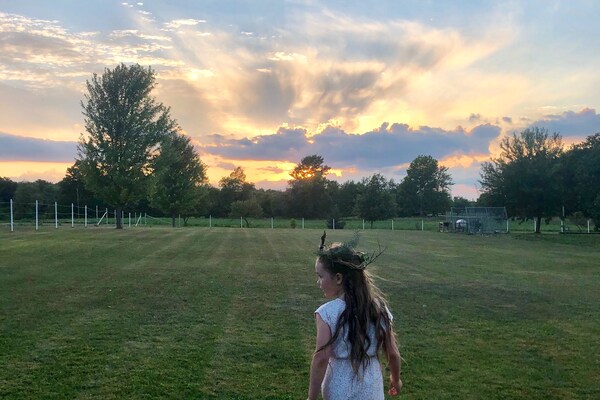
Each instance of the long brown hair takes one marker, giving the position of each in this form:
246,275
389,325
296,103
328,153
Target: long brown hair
365,305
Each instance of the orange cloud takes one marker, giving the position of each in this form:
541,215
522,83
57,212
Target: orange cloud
463,160
30,171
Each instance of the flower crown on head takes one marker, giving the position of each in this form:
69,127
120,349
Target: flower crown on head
345,253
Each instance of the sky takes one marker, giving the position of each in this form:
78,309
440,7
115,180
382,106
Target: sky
368,85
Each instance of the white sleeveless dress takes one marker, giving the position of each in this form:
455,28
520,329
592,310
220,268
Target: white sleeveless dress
341,383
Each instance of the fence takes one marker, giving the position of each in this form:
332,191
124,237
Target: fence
43,215
15,215
53,215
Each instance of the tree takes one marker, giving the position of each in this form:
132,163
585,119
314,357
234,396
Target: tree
7,189
273,202
7,192
376,200
246,209
308,188
177,173
526,177
344,197
581,179
233,188
461,202
71,189
27,193
310,167
125,125
425,189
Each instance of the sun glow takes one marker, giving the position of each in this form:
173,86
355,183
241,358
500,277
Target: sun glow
30,171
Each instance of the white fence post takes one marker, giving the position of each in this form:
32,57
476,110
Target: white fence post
85,216
534,225
56,215
392,223
241,222
302,223
588,226
363,224
96,212
130,220
107,216
422,226
507,230
36,216
116,218
333,223
72,215
12,221
210,221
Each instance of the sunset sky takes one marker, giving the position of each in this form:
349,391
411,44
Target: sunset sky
368,85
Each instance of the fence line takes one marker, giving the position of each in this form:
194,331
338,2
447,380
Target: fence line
38,215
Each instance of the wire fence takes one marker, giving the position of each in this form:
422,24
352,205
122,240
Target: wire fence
39,215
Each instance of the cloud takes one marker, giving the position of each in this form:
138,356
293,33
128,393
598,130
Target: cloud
178,23
386,147
42,54
52,115
18,148
474,117
570,123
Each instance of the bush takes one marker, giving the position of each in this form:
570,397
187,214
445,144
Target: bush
293,223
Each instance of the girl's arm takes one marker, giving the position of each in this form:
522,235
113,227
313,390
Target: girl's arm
394,359
320,359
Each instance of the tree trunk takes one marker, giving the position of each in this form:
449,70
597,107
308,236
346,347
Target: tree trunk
538,223
247,222
173,220
119,219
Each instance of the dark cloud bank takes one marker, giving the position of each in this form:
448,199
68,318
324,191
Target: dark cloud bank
387,146
17,148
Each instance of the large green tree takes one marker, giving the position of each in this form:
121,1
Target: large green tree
308,195
124,125
526,177
581,178
178,173
425,189
234,187
376,200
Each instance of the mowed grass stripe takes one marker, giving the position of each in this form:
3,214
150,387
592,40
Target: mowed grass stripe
228,313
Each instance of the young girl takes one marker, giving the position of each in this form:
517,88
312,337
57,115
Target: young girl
351,329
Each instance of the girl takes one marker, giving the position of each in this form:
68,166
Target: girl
351,329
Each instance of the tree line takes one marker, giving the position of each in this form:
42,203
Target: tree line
135,157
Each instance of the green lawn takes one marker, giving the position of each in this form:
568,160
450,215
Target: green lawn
228,313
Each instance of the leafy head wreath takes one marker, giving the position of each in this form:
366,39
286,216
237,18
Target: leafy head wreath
345,254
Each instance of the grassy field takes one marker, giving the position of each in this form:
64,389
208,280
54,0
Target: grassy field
228,313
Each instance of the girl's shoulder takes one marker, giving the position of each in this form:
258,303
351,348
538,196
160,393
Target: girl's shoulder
331,310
